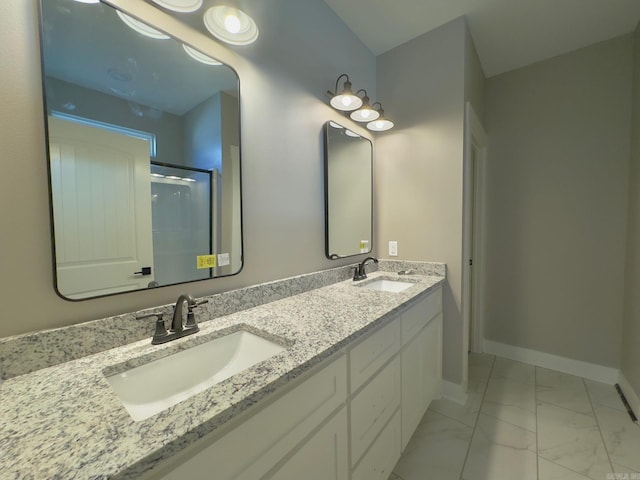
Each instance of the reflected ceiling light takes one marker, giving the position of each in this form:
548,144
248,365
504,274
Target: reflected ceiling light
157,175
335,125
231,25
199,56
346,100
180,6
381,123
141,27
349,133
366,113
87,1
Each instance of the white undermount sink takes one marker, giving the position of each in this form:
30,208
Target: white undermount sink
151,388
385,285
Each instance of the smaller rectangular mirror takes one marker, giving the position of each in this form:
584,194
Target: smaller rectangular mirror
348,173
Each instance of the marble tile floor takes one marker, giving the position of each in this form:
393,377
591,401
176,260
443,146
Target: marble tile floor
522,422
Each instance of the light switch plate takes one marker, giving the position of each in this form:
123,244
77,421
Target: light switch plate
393,248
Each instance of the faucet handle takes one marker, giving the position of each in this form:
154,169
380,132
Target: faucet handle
191,317
161,329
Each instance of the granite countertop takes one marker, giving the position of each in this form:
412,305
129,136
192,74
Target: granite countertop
65,421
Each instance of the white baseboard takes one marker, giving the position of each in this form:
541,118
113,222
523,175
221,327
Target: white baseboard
454,392
591,371
629,393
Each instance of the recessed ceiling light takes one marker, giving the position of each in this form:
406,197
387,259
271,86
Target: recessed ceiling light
199,56
180,6
231,25
141,27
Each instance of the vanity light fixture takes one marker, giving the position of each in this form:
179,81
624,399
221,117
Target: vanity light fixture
199,56
141,27
381,123
359,108
180,6
231,25
366,113
346,100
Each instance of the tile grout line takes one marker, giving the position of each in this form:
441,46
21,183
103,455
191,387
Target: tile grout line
473,430
595,416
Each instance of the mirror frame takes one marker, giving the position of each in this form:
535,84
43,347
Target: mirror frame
41,40
327,252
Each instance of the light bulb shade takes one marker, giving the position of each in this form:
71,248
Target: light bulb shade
365,114
180,6
380,125
199,56
141,27
346,100
230,25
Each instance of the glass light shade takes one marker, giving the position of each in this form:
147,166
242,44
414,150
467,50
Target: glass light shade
380,125
180,6
199,56
346,102
141,27
230,25
365,114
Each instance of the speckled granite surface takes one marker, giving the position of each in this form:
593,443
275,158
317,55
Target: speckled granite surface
65,422
27,353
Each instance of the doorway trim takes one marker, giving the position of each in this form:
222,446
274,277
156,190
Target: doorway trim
473,237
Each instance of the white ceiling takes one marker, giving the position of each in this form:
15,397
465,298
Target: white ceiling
508,34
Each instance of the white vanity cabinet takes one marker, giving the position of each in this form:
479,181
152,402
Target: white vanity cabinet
350,420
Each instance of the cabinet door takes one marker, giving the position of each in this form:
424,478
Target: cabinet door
413,385
322,457
432,374
373,407
383,455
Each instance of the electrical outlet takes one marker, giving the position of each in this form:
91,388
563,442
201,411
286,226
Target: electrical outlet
393,248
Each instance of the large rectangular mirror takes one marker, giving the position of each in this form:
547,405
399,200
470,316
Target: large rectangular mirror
348,173
144,154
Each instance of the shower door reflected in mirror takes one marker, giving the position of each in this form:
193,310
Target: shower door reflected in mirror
144,155
348,192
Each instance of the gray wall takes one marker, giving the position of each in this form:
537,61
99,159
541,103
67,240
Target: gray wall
557,203
419,164
631,326
283,78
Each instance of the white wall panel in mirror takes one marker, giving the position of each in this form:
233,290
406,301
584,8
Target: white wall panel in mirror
348,192
144,155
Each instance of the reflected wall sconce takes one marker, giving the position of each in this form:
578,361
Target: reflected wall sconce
358,107
224,21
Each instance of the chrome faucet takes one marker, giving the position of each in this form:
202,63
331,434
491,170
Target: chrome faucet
359,272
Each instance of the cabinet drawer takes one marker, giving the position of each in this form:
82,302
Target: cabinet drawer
368,356
373,407
378,462
258,444
416,317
